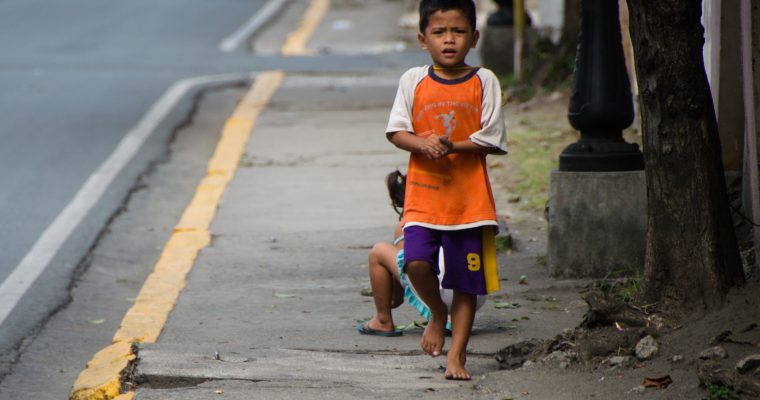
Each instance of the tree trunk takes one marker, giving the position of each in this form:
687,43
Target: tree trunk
692,257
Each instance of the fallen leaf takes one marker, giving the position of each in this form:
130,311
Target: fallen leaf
657,383
523,279
412,325
505,304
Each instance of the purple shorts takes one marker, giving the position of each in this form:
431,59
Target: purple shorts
462,254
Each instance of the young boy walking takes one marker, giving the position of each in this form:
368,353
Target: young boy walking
448,116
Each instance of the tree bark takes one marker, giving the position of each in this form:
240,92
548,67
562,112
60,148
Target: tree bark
692,257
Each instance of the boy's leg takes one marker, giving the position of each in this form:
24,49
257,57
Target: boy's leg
462,317
382,282
425,282
465,259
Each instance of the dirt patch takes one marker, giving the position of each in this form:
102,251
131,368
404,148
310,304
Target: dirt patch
619,350
714,355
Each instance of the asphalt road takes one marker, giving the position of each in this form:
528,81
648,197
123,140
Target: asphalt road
76,77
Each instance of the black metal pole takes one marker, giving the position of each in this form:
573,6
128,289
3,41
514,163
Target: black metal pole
504,15
601,103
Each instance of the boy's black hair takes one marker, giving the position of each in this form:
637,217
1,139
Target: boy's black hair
429,7
396,183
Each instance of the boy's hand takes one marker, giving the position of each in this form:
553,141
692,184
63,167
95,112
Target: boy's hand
446,141
435,147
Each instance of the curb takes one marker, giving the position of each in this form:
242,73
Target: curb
104,376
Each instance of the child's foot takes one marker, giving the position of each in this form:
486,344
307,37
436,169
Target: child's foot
455,368
434,336
376,324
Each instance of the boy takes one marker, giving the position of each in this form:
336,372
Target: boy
386,266
449,118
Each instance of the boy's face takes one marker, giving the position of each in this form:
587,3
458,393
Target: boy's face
448,38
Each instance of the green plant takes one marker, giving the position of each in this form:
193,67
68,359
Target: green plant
535,146
541,260
623,283
720,392
503,243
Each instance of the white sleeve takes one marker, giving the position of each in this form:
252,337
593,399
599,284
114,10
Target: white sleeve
493,132
401,112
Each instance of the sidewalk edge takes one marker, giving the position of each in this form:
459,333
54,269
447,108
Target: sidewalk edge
104,374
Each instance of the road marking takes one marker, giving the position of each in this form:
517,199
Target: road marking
256,22
295,45
57,233
145,320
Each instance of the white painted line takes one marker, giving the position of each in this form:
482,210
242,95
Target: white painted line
258,20
38,258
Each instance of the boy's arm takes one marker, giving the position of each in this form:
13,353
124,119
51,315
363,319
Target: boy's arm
468,146
493,133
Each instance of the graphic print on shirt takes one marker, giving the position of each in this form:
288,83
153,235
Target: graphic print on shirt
449,122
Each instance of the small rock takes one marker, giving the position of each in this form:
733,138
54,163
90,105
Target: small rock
561,359
646,348
748,363
620,361
513,356
713,353
721,337
656,321
676,359
638,389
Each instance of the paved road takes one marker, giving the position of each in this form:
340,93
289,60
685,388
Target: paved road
76,77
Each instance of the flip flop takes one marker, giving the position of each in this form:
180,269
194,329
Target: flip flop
364,329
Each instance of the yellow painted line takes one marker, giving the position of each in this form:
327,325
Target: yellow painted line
295,44
143,322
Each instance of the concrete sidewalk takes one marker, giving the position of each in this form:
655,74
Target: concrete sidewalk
271,306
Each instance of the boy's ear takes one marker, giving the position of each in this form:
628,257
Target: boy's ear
475,37
421,39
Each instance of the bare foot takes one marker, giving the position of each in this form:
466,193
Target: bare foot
434,337
455,368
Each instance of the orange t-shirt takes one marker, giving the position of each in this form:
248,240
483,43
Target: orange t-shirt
453,192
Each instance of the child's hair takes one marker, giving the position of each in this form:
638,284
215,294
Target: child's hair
430,7
396,183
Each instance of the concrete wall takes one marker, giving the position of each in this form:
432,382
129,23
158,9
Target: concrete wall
597,223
